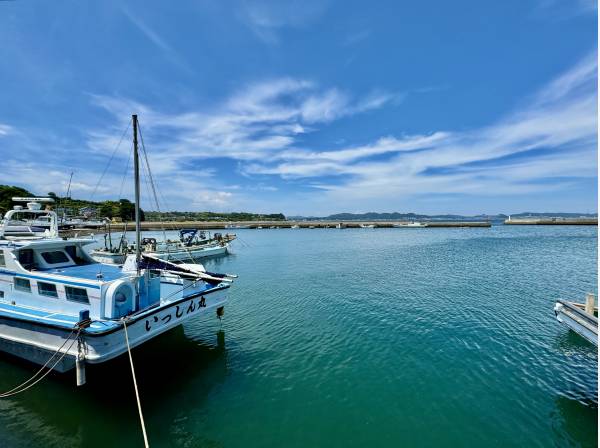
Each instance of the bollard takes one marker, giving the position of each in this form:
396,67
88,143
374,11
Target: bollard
590,303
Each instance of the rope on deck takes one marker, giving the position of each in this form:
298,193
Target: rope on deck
28,384
137,395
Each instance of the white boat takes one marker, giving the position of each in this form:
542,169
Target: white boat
295,226
32,222
367,226
574,316
193,244
410,225
61,308
237,226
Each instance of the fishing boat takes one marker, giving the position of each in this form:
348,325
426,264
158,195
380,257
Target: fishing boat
193,244
410,225
62,309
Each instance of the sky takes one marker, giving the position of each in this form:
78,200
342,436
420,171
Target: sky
305,107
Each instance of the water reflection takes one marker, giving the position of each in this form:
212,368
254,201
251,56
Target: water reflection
576,421
173,371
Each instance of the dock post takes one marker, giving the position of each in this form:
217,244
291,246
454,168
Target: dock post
590,303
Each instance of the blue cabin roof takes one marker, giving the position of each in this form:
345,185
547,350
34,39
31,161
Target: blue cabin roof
90,272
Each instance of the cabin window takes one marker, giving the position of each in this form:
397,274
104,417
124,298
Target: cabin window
76,294
54,257
47,289
26,258
72,252
2,262
22,284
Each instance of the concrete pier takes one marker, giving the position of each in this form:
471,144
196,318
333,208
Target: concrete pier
541,221
216,225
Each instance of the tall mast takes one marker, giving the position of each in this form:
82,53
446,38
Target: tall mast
136,171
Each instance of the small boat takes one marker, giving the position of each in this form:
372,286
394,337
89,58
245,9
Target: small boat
193,244
340,225
579,317
410,225
60,308
367,226
236,226
295,226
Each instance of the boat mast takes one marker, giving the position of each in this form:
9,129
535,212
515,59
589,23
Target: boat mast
136,171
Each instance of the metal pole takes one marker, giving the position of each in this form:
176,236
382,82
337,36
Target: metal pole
136,170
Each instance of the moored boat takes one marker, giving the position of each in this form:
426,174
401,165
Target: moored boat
410,225
193,244
61,308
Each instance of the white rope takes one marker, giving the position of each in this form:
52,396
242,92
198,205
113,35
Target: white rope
20,388
137,395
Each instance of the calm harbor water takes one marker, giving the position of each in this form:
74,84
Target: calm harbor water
351,338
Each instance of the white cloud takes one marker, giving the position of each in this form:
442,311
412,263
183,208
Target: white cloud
559,122
265,18
5,129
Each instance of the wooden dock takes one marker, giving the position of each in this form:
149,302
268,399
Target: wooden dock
543,221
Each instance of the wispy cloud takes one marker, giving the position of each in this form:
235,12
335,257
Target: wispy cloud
5,129
261,119
561,9
553,137
169,53
356,37
266,18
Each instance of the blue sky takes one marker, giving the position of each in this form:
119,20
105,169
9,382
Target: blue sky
311,107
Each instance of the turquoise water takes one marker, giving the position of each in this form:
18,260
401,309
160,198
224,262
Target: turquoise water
352,338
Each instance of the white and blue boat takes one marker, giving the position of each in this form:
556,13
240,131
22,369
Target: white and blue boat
57,302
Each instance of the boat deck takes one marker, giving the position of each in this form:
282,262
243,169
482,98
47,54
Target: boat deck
93,271
65,321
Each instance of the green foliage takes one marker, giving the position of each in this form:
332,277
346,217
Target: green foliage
125,209
6,194
212,216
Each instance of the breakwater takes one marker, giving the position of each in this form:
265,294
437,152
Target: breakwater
548,221
288,224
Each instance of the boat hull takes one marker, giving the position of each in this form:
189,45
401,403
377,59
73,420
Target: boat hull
177,255
36,341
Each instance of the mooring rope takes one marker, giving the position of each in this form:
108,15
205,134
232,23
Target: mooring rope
21,387
137,394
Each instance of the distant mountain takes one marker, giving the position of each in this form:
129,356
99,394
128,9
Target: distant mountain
554,215
396,216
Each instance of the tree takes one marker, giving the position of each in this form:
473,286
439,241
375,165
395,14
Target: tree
6,194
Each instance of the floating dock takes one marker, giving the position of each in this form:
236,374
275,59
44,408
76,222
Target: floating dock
579,317
549,221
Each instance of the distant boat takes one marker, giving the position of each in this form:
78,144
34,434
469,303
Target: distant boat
295,226
237,226
367,226
410,225
340,225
